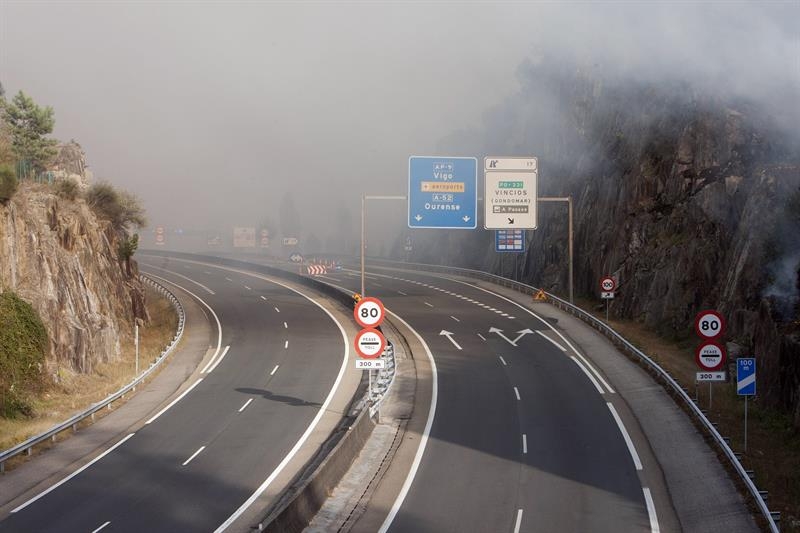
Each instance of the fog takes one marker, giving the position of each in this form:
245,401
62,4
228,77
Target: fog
212,113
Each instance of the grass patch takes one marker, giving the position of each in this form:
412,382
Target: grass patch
76,392
773,444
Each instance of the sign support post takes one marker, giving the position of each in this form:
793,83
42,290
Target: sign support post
364,198
568,200
136,343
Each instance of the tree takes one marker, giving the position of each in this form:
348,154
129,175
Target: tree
28,124
2,90
8,183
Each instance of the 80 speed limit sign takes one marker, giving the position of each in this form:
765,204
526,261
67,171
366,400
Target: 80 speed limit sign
709,324
369,312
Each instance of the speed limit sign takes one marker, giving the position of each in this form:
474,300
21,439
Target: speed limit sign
709,324
607,284
369,312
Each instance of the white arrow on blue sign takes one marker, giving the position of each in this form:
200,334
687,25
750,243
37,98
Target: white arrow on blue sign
746,376
442,192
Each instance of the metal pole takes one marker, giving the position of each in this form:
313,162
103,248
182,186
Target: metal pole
363,243
745,424
569,200
606,309
709,396
136,343
570,238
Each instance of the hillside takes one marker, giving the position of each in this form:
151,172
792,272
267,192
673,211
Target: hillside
63,259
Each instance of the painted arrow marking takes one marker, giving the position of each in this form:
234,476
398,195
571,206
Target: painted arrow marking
449,336
500,332
522,333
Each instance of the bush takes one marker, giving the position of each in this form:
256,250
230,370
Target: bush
8,183
121,208
67,188
23,345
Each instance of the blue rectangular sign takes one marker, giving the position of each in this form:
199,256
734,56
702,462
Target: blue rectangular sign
442,192
746,376
509,240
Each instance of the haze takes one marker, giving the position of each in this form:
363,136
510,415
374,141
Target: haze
212,112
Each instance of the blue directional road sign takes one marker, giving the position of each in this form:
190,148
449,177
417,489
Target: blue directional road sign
746,376
442,192
509,240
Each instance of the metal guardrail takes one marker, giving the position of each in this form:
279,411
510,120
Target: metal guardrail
27,446
620,342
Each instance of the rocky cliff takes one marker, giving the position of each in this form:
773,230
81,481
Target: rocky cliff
62,259
692,201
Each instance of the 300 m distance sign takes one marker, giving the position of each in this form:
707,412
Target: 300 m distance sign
369,312
709,324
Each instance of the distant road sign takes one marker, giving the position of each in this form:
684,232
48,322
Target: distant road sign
608,284
244,237
290,241
370,343
709,324
442,192
510,192
369,312
710,356
160,235
710,376
607,295
296,258
509,240
746,376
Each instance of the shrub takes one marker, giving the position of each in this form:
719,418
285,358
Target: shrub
121,208
8,183
67,188
23,344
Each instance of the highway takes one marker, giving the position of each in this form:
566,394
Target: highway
526,434
192,464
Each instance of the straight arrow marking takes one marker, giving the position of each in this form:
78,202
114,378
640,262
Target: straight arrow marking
449,336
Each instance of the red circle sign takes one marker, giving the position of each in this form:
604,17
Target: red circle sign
710,356
607,284
370,343
709,324
369,312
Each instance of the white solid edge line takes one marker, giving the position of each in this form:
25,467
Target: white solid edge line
190,280
588,374
173,402
518,523
551,340
631,448
101,527
242,408
651,511
524,443
426,432
219,359
195,454
216,318
543,321
274,370
72,475
267,482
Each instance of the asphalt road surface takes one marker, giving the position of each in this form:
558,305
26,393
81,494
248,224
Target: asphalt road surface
194,464
525,435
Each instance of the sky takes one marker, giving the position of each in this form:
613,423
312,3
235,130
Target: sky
212,112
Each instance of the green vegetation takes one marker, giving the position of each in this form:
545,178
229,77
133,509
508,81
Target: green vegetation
121,208
67,189
8,183
23,343
28,123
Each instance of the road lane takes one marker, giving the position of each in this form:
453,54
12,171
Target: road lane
197,462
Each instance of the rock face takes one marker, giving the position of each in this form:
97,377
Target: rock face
70,163
56,255
691,201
